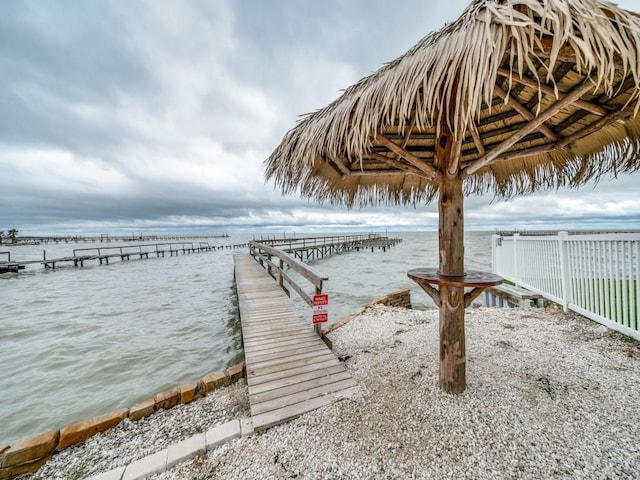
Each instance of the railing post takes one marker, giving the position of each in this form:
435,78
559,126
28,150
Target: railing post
564,269
318,327
280,277
515,258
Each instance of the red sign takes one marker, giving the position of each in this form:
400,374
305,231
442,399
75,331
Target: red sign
320,303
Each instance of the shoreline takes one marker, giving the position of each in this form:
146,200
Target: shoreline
542,385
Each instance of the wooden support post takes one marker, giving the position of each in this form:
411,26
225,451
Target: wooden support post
451,246
451,258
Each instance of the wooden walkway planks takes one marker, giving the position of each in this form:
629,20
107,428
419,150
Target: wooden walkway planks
290,370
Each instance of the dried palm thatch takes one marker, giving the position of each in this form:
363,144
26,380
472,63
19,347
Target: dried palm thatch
537,94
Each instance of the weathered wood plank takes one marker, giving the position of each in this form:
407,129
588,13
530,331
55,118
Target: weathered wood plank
269,358
268,342
298,363
289,369
280,347
307,385
281,415
297,378
301,396
271,377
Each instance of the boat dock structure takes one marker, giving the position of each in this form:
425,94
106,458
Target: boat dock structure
312,248
103,255
304,249
105,238
290,367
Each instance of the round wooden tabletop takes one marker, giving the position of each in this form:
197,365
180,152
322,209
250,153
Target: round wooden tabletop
471,278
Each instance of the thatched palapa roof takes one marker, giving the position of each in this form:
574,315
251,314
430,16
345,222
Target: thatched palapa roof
538,93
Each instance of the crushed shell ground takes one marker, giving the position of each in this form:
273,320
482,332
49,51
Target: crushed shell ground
549,395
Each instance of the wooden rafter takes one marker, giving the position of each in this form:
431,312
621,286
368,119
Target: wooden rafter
392,162
559,145
491,156
338,162
428,171
529,82
594,127
526,114
380,173
410,130
476,139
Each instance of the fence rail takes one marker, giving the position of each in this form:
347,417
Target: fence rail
596,275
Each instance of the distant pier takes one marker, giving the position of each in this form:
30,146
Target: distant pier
122,253
304,249
312,248
57,239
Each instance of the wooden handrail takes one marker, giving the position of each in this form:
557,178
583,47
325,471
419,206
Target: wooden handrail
264,254
305,242
130,249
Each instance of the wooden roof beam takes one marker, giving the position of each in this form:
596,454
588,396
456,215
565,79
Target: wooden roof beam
526,114
338,166
379,173
491,156
529,82
594,127
562,144
392,162
476,139
428,171
339,162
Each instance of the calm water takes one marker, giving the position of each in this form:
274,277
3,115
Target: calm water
78,342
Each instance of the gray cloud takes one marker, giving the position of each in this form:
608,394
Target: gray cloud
159,114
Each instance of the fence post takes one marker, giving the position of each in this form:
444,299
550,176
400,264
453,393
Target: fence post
515,259
636,326
494,247
564,269
281,278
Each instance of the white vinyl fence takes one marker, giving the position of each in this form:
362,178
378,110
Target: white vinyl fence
596,275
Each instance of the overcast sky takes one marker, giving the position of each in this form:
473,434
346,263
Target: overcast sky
157,115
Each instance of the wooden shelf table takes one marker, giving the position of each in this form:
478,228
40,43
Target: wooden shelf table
428,278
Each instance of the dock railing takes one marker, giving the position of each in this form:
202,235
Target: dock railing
275,261
293,243
145,249
595,275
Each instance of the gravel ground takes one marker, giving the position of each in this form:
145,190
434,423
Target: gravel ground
130,441
549,395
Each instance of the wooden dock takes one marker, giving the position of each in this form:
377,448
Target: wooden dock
290,370
313,248
106,254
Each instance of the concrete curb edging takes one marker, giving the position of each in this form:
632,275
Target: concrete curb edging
179,452
28,455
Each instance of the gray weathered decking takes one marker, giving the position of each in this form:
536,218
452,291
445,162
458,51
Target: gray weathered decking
290,370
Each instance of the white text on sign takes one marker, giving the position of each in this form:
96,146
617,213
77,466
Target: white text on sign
320,312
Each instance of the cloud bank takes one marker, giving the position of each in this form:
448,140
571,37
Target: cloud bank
157,116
